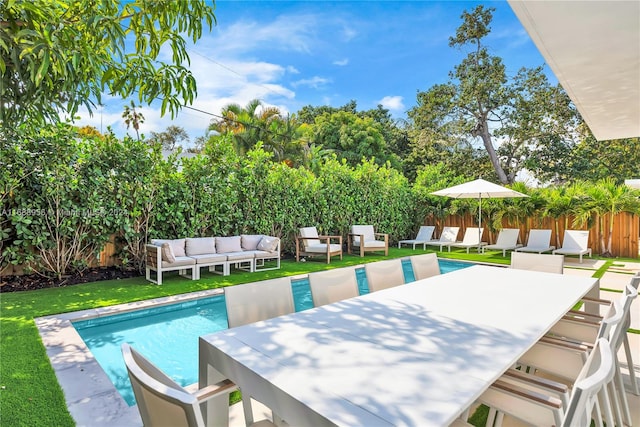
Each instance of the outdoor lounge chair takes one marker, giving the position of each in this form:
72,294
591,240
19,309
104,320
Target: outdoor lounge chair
507,241
313,244
575,242
363,238
538,241
470,240
448,235
424,235
163,402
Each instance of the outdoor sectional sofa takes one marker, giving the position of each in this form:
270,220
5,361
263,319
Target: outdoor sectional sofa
247,252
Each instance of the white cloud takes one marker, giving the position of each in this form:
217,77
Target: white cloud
292,70
314,82
393,103
287,32
341,62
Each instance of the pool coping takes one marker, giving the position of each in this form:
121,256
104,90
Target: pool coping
90,396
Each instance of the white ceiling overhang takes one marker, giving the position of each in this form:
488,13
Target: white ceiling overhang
593,48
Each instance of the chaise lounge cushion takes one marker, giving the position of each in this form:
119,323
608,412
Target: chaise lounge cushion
167,253
200,246
268,243
228,244
177,245
250,242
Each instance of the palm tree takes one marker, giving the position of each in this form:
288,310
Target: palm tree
249,125
605,200
560,203
132,117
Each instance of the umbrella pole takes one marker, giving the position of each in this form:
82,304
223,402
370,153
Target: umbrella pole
479,223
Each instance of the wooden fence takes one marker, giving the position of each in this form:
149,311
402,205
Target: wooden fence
626,231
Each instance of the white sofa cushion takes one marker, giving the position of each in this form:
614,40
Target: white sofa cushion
322,248
250,242
179,262
200,246
228,244
268,243
209,258
309,232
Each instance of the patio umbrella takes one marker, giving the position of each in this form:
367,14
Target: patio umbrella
478,189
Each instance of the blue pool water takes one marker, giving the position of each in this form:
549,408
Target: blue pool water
168,335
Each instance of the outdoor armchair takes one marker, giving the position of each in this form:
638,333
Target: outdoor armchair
309,243
424,235
363,238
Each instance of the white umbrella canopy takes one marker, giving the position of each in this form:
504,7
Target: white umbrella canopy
478,189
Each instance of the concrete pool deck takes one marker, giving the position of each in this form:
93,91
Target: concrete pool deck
93,400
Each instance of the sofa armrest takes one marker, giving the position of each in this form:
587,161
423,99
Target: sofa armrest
154,256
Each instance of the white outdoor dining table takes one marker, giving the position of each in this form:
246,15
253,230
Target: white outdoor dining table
416,355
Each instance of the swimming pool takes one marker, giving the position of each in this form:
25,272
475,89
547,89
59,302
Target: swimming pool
168,335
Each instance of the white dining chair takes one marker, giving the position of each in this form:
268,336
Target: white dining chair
257,301
425,265
253,302
330,286
537,262
562,356
163,402
384,274
544,410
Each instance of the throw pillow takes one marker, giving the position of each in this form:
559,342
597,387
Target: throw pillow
228,244
167,253
268,243
177,246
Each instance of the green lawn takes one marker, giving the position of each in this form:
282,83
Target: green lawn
29,392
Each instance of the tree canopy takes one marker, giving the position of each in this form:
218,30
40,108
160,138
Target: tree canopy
58,55
510,116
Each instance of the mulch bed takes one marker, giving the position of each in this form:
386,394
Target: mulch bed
34,281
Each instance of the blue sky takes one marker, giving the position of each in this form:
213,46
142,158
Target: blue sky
295,53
